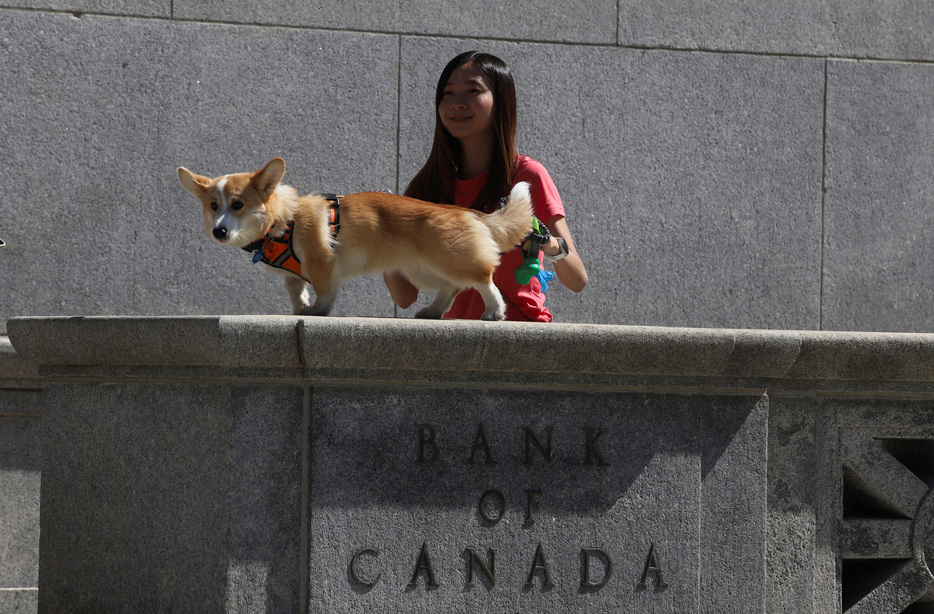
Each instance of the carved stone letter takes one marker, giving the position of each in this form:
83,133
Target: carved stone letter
474,558
586,582
652,566
480,444
427,448
539,566
424,564
355,573
593,456
533,498
496,496
546,451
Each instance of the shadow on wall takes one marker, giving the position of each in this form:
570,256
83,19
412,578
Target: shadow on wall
20,422
596,449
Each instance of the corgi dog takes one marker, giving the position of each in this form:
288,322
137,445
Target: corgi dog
436,247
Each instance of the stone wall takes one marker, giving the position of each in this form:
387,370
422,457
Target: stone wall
246,464
723,164
20,470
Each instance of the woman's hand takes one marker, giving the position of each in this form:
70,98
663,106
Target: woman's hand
570,269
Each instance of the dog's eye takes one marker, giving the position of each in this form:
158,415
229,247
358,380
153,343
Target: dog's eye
236,205
214,206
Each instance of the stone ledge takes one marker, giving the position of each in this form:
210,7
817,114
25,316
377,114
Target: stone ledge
463,352
15,372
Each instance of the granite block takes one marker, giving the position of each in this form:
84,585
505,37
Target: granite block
20,466
590,21
672,470
794,491
735,452
15,372
850,505
258,342
880,197
21,403
196,490
267,457
883,503
890,29
135,8
19,601
688,179
595,502
378,350
96,115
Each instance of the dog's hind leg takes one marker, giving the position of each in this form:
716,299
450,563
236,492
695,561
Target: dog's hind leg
298,293
495,307
442,303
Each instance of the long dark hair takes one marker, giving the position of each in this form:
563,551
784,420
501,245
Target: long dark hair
435,182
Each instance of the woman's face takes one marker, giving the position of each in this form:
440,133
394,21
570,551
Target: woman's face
466,107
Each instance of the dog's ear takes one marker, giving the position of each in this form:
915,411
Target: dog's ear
196,184
267,179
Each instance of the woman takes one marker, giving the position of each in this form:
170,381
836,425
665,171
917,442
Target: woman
473,164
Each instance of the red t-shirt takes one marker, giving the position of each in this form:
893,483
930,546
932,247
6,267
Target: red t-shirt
526,302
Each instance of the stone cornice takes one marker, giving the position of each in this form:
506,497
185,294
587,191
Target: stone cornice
461,353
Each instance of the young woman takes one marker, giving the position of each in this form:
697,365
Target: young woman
473,163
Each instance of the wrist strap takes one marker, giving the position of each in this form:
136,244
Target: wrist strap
562,254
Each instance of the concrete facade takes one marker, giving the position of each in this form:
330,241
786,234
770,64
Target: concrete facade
20,476
249,464
725,164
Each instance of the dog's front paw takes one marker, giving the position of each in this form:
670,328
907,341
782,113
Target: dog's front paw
314,310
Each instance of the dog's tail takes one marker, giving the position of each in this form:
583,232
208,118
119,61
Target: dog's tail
511,224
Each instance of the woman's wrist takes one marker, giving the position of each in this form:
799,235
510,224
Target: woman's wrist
556,249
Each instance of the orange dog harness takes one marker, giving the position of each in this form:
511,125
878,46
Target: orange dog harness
277,251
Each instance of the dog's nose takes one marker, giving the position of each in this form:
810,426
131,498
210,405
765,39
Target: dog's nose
220,233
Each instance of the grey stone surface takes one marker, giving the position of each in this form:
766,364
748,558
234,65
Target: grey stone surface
882,475
880,194
19,602
379,350
20,466
20,479
659,480
98,112
733,526
791,469
890,29
147,8
14,371
590,21
801,565
849,505
692,180
195,488
267,455
695,175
